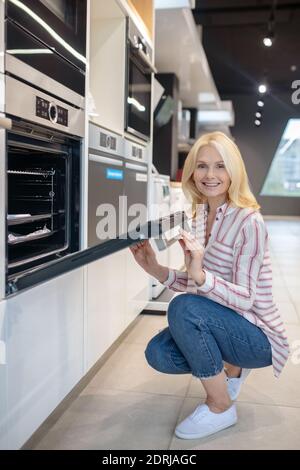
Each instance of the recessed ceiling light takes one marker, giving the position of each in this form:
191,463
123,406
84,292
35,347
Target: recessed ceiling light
293,68
257,122
262,88
258,115
268,41
260,103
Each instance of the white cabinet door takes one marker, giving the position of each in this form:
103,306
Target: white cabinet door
3,381
105,304
137,288
107,65
44,352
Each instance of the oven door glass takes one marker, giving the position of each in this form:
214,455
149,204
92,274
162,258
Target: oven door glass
60,24
138,100
26,48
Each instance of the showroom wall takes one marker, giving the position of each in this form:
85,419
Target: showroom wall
258,144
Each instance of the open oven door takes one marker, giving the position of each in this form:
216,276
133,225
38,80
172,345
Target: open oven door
163,231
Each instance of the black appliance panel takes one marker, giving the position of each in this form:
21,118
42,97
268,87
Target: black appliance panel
106,183
152,229
45,19
50,64
135,189
138,116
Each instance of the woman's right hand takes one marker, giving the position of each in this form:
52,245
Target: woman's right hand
146,258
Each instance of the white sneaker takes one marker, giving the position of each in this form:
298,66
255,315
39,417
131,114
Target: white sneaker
203,422
234,384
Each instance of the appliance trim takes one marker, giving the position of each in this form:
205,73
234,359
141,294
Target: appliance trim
138,134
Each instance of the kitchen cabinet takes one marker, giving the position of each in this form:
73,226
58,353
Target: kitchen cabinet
145,10
105,304
107,65
44,354
137,286
3,381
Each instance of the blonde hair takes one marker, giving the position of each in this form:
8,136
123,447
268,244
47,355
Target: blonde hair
239,192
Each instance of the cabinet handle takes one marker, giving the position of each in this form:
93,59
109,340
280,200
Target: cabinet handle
5,123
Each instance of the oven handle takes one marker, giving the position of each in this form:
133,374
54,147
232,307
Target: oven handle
132,166
107,160
144,58
5,123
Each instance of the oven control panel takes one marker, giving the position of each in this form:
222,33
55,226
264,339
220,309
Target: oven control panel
51,111
108,141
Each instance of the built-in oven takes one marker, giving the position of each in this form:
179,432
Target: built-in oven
106,185
43,193
41,145
138,83
49,37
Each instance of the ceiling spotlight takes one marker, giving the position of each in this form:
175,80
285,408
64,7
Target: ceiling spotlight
293,68
268,40
262,88
260,103
257,122
258,115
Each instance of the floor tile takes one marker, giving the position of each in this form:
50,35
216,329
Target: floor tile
147,327
127,369
115,420
258,427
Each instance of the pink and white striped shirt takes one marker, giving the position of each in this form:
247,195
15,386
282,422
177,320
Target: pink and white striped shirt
238,272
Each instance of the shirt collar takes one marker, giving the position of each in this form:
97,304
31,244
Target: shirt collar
225,208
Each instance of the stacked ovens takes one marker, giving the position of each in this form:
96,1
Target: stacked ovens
42,126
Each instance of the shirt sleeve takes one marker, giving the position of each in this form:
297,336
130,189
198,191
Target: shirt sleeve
177,280
248,258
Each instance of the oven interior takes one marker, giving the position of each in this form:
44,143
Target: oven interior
42,198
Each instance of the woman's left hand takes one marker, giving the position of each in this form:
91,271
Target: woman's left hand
194,253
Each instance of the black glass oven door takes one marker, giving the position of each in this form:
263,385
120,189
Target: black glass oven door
61,24
138,104
26,48
152,229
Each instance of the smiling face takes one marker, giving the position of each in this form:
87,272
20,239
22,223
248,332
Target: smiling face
210,175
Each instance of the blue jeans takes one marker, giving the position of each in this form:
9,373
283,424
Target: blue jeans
201,335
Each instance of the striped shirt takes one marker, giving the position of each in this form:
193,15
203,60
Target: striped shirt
238,272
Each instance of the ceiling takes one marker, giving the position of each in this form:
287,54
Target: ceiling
232,38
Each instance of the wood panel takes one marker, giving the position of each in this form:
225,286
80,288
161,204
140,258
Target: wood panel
145,9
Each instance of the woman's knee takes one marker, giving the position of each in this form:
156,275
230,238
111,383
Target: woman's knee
176,309
154,351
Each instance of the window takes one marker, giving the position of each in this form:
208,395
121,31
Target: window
283,178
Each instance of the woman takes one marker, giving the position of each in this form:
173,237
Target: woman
227,314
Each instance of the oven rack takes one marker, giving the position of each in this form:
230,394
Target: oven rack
32,173
29,219
34,237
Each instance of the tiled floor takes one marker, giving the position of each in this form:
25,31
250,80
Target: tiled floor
130,406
